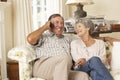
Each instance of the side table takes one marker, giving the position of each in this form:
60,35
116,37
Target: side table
13,70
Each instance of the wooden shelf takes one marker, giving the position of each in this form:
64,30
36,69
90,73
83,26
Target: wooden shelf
115,27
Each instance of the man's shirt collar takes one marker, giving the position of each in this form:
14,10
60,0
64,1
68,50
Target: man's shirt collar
53,34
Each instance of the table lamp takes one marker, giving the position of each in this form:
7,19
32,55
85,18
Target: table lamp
79,13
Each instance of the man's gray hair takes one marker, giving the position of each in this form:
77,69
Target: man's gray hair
88,24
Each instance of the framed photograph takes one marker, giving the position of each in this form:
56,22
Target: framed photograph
69,26
98,21
99,24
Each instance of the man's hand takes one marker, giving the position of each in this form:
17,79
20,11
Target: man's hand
47,25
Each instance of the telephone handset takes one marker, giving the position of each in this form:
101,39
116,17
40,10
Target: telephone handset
51,25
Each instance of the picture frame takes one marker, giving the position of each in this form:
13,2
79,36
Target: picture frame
99,24
69,26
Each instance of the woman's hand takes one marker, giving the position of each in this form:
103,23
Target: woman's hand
80,62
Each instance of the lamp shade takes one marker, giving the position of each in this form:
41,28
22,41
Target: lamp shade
76,2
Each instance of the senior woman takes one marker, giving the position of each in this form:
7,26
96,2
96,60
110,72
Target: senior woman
89,54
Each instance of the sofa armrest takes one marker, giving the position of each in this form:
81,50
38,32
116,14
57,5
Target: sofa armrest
23,53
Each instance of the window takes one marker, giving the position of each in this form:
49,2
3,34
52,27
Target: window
39,12
42,9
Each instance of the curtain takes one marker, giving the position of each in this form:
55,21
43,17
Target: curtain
22,20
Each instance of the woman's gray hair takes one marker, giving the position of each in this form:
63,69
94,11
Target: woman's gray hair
88,24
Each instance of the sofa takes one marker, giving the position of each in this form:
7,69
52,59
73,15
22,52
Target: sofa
25,56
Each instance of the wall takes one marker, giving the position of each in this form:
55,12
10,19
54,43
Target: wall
5,35
8,27
108,8
7,21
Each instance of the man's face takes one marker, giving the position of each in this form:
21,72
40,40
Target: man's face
58,25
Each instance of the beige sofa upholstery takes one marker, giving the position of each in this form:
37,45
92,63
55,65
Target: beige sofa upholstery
25,55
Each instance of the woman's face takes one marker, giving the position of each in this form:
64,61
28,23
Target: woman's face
58,25
81,30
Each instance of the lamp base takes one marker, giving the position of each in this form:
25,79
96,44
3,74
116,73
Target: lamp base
80,13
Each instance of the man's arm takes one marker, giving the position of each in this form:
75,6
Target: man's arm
33,37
